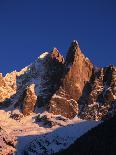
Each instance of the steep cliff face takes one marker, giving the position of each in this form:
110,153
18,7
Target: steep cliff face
51,78
100,103
29,100
86,91
78,71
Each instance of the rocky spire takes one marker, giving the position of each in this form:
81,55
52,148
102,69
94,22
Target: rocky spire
29,100
76,76
71,52
55,54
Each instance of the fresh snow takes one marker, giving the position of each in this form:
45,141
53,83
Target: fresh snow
75,41
44,140
60,138
41,138
43,55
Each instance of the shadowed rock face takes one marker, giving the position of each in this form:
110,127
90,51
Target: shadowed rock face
100,140
45,73
51,79
100,103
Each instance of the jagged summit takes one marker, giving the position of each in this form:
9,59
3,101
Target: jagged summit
66,86
55,54
78,72
75,42
73,49
67,90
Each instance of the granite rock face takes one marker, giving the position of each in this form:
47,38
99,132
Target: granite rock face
100,102
56,55
29,100
78,71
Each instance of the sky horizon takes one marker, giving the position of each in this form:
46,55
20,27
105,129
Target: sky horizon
28,28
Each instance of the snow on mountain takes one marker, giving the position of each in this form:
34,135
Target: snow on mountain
73,94
59,139
43,55
40,138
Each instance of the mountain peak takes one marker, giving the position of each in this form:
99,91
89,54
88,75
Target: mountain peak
55,54
73,49
72,89
75,42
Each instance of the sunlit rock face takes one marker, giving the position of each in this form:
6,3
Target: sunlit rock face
56,55
78,71
7,143
29,100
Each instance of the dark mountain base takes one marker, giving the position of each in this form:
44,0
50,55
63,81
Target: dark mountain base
99,141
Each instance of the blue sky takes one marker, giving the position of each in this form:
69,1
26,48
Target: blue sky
30,27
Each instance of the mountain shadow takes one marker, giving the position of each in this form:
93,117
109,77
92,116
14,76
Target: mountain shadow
60,138
100,140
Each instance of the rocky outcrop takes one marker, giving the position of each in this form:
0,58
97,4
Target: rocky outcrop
2,83
100,103
63,106
7,143
56,55
78,71
51,79
29,100
9,84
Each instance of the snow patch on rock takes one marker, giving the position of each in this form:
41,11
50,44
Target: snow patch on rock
43,55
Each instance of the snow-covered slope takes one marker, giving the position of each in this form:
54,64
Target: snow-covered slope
39,137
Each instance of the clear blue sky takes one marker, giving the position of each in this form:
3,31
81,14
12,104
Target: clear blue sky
29,27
